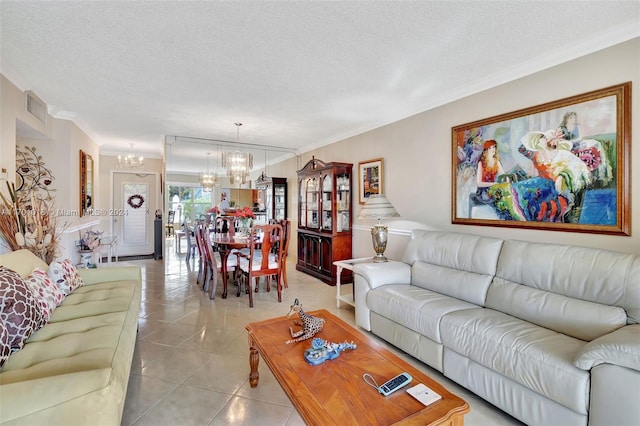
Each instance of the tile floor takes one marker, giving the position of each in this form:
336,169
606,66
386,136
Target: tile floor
191,363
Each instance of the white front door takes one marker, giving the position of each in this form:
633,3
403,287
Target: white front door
135,196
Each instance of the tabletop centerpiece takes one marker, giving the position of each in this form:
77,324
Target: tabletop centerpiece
322,350
245,217
88,245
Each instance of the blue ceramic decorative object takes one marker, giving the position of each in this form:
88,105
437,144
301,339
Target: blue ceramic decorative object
321,350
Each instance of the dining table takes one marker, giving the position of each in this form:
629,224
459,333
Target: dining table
227,243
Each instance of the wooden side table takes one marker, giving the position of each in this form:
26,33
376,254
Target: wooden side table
348,264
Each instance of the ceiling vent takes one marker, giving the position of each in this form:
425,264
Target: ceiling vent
36,107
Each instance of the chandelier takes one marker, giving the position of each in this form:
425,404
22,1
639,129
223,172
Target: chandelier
130,160
207,180
238,164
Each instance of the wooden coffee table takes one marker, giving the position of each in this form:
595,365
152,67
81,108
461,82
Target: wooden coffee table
334,393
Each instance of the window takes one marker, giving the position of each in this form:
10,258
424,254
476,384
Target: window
188,202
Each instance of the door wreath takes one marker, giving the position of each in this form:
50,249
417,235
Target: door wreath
136,201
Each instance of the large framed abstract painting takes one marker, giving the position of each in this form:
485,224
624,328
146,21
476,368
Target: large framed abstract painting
563,165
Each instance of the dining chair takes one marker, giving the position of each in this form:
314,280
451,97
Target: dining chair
170,218
211,262
225,224
286,234
191,244
263,260
213,266
202,254
284,241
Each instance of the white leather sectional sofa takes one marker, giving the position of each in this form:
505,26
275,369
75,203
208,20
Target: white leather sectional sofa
547,333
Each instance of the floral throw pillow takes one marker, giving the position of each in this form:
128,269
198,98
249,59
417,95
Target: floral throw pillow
48,294
19,310
65,276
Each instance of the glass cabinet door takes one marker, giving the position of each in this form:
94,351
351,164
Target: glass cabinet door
280,194
327,208
264,212
312,202
343,200
302,203
268,201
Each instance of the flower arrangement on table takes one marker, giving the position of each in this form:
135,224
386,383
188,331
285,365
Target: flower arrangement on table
214,209
245,215
90,240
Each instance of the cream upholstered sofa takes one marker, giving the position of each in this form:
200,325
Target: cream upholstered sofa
75,369
548,333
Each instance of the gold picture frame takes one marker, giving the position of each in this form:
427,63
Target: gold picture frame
370,178
86,184
561,166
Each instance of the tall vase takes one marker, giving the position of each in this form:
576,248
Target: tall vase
86,258
245,228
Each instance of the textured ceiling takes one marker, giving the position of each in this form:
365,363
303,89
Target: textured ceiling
296,74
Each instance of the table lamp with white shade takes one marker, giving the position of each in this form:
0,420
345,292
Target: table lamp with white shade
378,207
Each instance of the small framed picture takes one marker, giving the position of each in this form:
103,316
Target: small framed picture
370,178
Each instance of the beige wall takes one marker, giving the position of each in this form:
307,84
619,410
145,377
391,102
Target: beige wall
60,142
12,108
417,153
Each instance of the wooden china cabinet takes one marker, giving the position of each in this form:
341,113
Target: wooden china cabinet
272,191
324,218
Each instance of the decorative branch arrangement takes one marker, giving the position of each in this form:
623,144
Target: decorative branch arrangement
29,225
